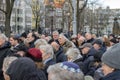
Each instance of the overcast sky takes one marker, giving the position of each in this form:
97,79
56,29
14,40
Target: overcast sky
111,3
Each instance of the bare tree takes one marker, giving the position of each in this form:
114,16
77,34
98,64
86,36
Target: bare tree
7,11
36,8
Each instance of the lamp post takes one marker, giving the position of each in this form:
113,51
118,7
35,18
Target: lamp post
74,16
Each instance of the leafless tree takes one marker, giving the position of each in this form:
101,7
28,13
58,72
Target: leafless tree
7,11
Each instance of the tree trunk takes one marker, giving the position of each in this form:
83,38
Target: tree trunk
7,25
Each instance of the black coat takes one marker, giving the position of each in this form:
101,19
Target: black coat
87,59
112,76
60,56
4,51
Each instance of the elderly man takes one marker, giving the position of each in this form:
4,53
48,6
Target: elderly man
47,56
58,50
65,71
4,51
55,36
65,43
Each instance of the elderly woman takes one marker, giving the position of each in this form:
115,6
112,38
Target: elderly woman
111,63
65,71
24,69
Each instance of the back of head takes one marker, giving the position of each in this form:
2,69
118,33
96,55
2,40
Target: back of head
22,69
65,71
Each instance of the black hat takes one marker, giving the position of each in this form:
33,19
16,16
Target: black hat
86,45
98,41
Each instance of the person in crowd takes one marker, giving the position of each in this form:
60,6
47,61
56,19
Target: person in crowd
47,56
118,38
55,36
39,42
74,55
16,47
113,42
6,63
88,56
65,43
98,45
23,36
31,38
89,38
106,42
36,55
24,69
111,36
74,39
81,41
65,71
58,51
111,63
4,51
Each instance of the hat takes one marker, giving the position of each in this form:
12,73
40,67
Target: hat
98,41
86,45
112,56
35,54
70,66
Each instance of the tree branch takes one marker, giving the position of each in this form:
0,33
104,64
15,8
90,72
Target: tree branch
71,4
85,4
3,11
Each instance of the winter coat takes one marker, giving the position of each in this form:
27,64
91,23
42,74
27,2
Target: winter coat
87,60
4,51
112,76
60,56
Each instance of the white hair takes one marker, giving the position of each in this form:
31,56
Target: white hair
48,49
73,53
62,35
59,73
55,32
40,42
7,61
3,36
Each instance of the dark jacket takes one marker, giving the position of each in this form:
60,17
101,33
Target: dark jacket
60,56
90,40
112,76
47,64
4,51
87,59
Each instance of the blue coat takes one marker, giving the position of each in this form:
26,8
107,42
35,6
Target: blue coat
112,76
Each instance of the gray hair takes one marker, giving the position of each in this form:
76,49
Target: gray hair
40,42
60,73
73,53
55,32
48,49
62,35
7,61
3,36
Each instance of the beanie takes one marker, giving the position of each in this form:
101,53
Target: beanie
35,54
70,66
112,56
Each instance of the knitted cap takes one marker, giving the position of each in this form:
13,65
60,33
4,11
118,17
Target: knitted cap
112,56
70,67
35,54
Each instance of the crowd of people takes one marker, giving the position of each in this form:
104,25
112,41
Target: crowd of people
34,56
